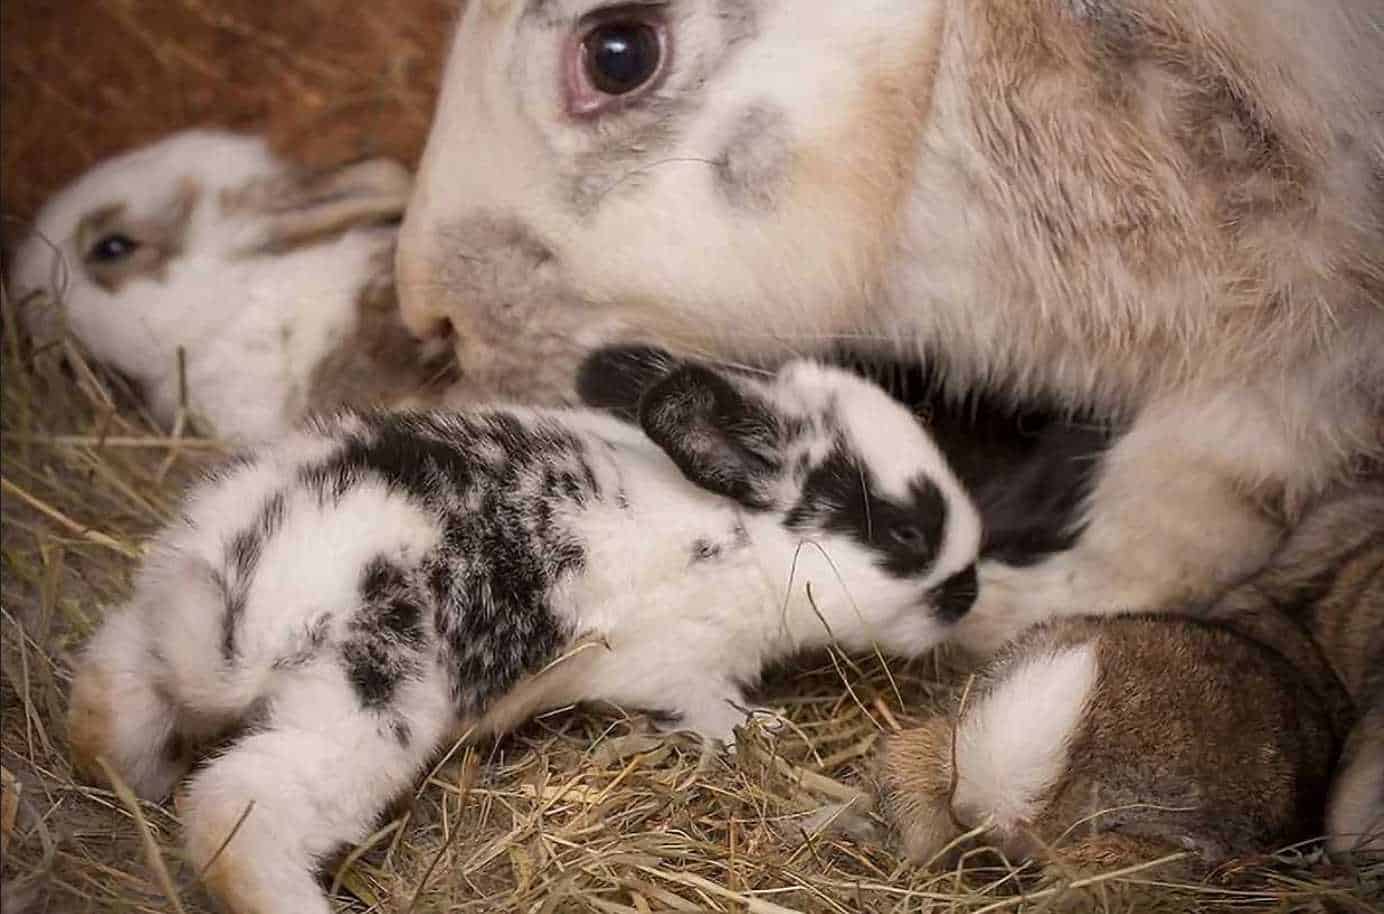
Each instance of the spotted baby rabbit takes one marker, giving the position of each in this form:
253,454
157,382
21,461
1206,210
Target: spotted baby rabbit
368,588
1100,739
276,284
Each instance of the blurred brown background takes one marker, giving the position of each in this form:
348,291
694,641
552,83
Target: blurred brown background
327,79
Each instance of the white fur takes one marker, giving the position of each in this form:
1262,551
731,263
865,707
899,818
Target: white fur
949,191
1012,746
670,632
252,326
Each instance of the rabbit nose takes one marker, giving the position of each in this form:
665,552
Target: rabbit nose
955,596
422,308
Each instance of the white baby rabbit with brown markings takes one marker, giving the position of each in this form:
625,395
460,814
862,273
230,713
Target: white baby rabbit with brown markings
355,596
275,283
1170,214
1110,740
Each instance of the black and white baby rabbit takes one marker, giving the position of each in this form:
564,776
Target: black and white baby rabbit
276,284
375,584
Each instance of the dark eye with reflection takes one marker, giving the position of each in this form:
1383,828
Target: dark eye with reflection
908,536
616,58
621,56
112,247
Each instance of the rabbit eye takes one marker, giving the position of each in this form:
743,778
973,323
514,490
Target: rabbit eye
621,56
112,247
908,536
615,58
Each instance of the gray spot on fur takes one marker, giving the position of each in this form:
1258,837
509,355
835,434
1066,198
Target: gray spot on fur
309,644
704,550
739,20
512,284
753,168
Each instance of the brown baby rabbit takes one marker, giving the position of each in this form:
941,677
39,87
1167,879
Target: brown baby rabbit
1105,740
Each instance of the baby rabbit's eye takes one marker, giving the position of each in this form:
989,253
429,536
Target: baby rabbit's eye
112,247
616,57
908,536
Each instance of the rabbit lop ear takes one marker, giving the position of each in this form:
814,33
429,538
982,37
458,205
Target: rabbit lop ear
614,378
721,437
303,208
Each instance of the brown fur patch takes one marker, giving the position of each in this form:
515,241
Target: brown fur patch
1109,850
380,362
865,187
1196,736
158,238
89,721
1154,189
915,787
306,208
229,877
1178,705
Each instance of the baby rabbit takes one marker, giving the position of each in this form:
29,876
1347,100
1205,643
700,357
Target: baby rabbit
1097,739
275,284
360,593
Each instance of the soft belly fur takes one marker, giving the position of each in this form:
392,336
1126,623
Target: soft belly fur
1169,213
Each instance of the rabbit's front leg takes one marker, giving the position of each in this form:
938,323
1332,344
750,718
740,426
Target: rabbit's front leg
1167,526
712,710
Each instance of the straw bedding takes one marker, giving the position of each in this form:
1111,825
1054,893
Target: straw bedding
582,810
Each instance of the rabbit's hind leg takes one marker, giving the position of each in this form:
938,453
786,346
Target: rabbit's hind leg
121,715
261,817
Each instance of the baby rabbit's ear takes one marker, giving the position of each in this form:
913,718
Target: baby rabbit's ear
721,436
614,378
303,208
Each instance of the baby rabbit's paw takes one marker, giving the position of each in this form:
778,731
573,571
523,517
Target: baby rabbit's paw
714,717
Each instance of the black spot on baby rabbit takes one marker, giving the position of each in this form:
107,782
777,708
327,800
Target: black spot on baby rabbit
377,584
386,637
497,485
1029,469
242,557
839,494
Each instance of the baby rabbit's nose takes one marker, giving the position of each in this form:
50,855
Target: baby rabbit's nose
955,596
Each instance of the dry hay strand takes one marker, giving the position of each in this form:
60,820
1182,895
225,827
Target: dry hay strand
582,811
